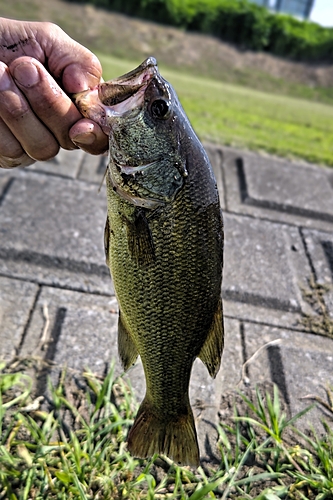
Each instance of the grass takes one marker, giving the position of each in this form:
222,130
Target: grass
77,450
246,118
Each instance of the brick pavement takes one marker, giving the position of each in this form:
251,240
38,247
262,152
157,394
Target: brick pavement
278,233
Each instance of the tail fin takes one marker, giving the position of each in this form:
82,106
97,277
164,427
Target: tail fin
175,436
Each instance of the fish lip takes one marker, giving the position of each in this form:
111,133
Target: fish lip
139,74
126,92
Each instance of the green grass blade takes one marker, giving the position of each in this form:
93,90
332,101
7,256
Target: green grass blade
207,488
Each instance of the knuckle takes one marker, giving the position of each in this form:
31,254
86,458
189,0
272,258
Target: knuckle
46,153
53,28
18,112
22,160
13,106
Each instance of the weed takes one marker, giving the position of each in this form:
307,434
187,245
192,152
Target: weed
76,449
319,321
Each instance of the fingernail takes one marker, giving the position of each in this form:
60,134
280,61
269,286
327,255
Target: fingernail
86,139
5,80
26,74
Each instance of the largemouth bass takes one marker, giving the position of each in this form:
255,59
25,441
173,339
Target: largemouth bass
164,247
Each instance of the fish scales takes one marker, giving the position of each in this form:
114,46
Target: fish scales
171,295
164,247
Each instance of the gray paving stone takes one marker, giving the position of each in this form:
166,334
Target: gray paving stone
263,315
65,164
232,357
81,332
51,232
215,155
320,249
16,302
270,188
290,188
264,264
301,364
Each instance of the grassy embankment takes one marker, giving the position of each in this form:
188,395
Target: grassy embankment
243,117
226,105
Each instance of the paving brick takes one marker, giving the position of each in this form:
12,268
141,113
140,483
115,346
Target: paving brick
232,357
81,332
270,188
65,164
16,302
289,188
301,364
320,249
215,155
264,264
264,315
51,232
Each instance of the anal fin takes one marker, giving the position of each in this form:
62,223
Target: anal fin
211,351
126,347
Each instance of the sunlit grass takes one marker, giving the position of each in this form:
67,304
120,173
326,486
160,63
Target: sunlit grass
241,117
77,450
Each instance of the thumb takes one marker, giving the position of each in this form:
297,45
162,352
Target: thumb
75,66
82,75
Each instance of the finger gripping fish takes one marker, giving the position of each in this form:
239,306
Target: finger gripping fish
164,247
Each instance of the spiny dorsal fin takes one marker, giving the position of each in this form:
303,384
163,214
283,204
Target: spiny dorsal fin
211,351
126,347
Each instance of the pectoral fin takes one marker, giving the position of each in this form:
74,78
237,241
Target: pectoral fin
140,240
126,347
211,351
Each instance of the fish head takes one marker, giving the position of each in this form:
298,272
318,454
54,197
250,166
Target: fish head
145,122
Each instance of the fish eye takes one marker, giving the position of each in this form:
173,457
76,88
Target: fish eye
159,108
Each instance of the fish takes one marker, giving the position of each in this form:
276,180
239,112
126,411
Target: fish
164,248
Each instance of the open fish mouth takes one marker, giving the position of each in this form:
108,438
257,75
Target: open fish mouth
116,97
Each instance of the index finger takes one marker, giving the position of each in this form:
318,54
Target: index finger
48,101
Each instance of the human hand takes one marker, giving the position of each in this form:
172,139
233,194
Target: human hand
40,66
